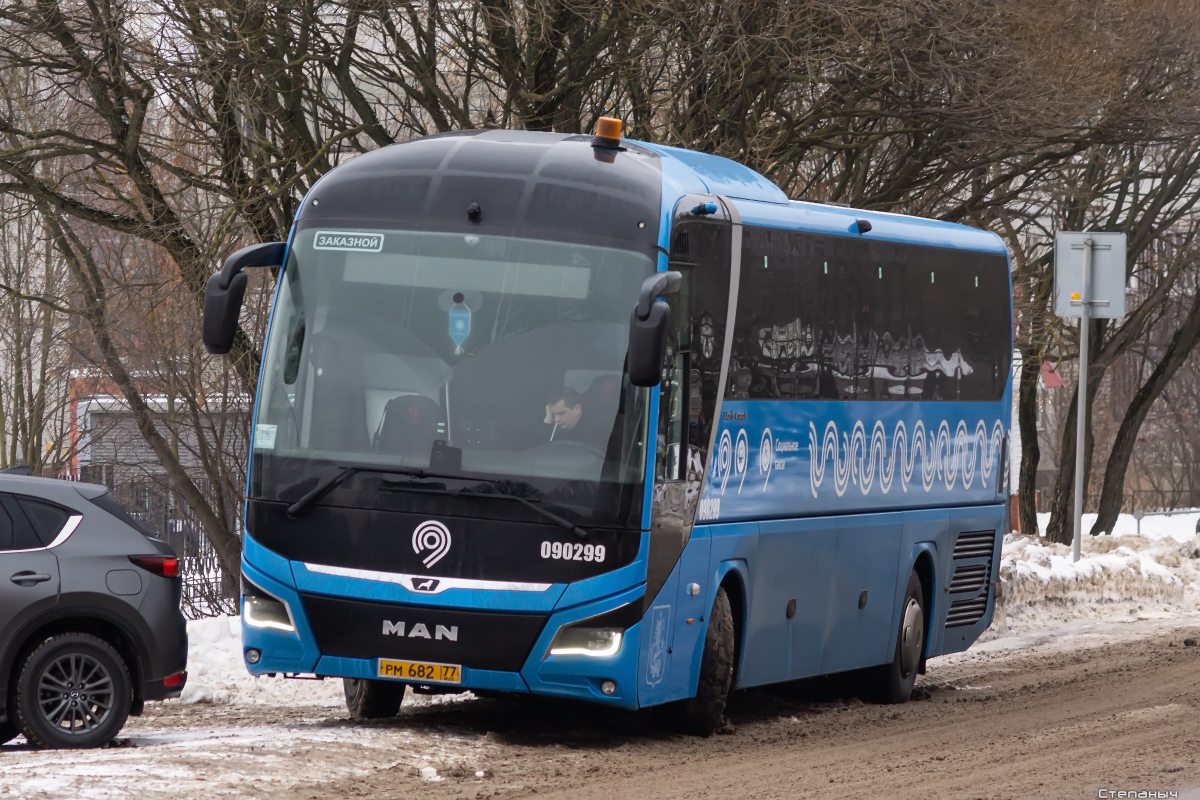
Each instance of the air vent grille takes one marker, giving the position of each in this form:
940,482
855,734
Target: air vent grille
974,544
969,578
969,586
966,612
680,247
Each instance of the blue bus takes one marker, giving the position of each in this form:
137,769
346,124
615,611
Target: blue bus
582,416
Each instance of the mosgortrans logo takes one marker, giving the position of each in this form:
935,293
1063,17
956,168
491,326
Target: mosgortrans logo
431,540
348,240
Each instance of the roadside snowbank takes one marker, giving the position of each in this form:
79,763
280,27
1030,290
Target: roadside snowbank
1155,575
217,675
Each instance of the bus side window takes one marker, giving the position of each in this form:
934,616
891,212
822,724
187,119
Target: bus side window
673,392
709,306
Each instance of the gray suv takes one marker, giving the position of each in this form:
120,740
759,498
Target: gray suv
90,626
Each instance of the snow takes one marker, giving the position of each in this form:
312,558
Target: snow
1123,576
229,728
216,673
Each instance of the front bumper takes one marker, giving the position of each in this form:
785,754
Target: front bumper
498,650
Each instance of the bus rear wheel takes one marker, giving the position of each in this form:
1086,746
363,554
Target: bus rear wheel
894,682
704,713
368,699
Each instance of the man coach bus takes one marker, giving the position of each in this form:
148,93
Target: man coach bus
801,410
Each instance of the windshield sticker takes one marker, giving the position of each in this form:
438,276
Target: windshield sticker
345,240
460,322
264,437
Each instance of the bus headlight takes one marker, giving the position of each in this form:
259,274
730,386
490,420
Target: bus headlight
599,636
586,641
263,610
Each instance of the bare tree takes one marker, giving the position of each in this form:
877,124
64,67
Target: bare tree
149,139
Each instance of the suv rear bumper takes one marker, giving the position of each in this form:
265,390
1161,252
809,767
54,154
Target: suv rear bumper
156,690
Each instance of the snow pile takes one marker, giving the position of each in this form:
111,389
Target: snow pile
216,673
1123,576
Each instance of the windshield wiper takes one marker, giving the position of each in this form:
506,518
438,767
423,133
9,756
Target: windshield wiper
561,522
324,486
494,486
295,509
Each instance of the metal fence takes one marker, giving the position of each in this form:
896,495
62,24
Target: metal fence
207,590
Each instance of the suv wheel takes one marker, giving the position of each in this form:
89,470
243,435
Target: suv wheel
73,691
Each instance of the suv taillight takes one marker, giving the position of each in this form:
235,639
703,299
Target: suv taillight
166,566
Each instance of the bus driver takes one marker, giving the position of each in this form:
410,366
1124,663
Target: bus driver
570,422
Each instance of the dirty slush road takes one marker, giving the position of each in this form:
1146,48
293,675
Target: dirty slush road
1052,722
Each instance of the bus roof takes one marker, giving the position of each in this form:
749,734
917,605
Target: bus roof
762,203
522,178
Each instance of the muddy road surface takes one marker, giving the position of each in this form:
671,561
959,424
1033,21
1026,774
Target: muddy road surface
1064,715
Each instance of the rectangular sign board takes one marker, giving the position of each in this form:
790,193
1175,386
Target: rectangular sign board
1108,274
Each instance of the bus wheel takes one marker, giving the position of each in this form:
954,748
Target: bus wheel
367,699
894,681
703,714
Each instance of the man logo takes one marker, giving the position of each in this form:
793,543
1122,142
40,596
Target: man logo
433,536
420,630
425,585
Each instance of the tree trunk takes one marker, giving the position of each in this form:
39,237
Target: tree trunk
87,277
1027,412
1177,353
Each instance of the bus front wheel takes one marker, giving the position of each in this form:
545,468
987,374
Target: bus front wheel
894,681
368,699
704,713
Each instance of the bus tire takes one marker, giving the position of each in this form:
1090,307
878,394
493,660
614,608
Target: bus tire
704,713
894,681
369,699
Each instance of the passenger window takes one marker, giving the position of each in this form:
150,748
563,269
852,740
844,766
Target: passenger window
7,538
882,325
835,317
47,519
15,531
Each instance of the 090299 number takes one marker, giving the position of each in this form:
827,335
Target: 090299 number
571,551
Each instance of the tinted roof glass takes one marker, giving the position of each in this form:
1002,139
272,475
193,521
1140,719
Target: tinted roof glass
110,505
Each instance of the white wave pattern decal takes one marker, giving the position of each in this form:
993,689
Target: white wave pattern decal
855,458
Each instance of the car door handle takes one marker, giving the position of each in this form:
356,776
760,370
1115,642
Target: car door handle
29,578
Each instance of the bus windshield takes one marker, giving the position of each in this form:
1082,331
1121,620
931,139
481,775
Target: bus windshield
493,358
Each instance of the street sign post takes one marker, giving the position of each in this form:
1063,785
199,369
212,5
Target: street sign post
1089,281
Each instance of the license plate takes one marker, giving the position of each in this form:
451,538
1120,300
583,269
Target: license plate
420,671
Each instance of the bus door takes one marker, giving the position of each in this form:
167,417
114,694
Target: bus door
677,572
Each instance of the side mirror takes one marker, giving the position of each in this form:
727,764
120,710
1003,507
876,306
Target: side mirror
648,329
225,290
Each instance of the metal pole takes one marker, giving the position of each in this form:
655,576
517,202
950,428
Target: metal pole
1081,392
